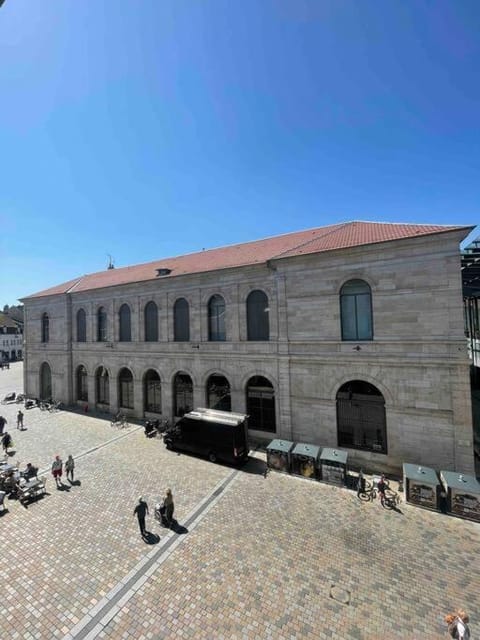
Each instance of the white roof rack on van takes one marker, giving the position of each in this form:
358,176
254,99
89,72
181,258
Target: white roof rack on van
215,415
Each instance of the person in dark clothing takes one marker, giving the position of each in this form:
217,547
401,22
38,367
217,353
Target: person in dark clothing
361,483
141,510
6,441
381,486
3,422
169,506
30,471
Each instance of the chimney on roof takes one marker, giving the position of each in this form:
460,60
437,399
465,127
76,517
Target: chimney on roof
110,262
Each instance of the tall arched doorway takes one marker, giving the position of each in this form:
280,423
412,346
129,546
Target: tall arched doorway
182,394
361,420
152,392
82,384
218,393
261,404
102,386
45,382
125,389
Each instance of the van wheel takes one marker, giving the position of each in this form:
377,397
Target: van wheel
212,456
169,445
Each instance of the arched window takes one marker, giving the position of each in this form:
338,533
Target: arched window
101,325
125,333
102,386
125,389
45,328
356,310
181,321
218,393
81,326
45,382
151,322
152,392
82,384
182,394
258,326
216,319
361,420
261,404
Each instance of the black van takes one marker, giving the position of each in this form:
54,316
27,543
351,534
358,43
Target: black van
212,433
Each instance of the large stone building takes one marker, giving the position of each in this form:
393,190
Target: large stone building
348,336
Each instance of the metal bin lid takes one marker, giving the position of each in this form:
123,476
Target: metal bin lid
420,474
459,481
307,450
280,445
334,455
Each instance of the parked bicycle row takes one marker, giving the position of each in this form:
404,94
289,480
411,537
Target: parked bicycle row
31,403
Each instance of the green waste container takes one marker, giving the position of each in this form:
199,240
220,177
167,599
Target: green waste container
278,455
421,486
333,466
463,494
305,460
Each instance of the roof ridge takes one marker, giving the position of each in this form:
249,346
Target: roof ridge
321,235
412,224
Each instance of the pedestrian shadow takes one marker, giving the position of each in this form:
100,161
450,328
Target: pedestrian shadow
63,487
392,507
177,528
75,483
151,538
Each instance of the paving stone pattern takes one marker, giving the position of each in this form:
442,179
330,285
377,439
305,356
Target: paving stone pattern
275,557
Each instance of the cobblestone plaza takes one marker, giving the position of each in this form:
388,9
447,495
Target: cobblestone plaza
252,556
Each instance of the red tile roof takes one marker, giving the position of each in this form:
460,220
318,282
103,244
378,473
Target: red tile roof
338,236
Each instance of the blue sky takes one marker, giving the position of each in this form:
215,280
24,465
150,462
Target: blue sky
154,128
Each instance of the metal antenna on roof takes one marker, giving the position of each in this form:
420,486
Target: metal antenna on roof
111,264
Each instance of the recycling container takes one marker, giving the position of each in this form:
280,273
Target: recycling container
304,460
278,455
333,466
421,485
463,494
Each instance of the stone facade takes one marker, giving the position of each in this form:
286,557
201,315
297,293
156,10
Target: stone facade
417,358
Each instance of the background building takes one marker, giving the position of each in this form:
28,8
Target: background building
11,338
349,336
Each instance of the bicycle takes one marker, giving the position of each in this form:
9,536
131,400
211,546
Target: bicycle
391,500
368,492
55,406
119,421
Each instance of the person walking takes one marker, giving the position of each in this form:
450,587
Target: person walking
361,483
141,510
69,468
6,441
3,422
169,506
20,420
57,466
457,624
